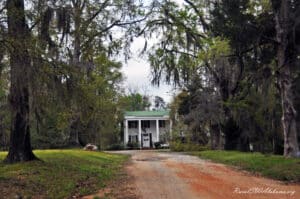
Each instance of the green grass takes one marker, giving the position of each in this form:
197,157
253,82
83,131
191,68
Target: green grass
272,166
60,174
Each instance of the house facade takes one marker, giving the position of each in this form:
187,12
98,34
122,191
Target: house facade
146,127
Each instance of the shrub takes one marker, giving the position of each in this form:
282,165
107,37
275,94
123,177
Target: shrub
178,146
133,145
118,146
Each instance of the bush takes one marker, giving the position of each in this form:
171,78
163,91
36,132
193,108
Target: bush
179,147
118,146
133,145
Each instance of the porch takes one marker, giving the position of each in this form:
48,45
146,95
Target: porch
146,128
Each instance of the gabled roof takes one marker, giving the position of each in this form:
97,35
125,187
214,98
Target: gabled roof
160,113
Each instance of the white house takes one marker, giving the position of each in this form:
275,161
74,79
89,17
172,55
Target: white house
146,127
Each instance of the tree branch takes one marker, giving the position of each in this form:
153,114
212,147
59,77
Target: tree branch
240,75
213,72
187,29
203,22
103,5
179,52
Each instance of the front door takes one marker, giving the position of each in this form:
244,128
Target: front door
146,140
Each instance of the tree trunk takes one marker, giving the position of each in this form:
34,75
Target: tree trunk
75,60
216,137
286,58
2,134
229,126
74,132
20,146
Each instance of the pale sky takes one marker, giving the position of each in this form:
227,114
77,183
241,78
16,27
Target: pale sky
138,75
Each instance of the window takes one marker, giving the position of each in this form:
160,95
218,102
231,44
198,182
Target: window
162,123
132,124
146,124
132,138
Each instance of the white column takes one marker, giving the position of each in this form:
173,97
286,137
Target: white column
125,132
140,133
171,124
157,131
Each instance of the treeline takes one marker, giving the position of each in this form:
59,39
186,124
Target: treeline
60,84
237,62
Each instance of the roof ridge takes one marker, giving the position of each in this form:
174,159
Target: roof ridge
147,113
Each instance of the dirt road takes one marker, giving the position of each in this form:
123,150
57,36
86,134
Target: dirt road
161,175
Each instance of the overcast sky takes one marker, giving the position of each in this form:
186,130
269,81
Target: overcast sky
138,76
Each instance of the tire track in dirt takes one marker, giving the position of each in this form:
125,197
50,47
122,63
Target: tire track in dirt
160,175
154,181
210,180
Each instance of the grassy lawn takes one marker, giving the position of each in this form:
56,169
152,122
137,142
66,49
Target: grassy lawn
273,166
60,174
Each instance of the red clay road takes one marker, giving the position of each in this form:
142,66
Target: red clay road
164,175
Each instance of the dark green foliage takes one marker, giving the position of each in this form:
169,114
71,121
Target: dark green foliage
135,102
4,109
185,147
133,145
223,54
4,123
74,90
115,146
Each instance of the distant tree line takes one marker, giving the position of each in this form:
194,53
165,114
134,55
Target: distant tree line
60,85
237,63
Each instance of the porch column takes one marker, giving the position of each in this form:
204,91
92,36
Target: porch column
125,132
140,134
171,124
157,130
